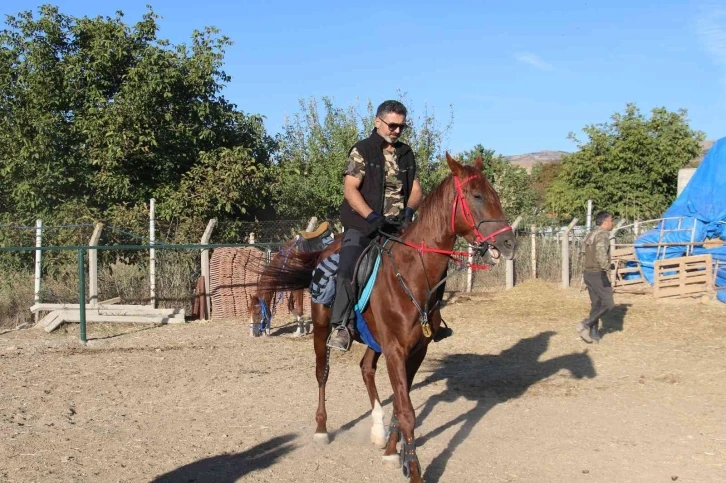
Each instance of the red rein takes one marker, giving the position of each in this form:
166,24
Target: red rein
469,218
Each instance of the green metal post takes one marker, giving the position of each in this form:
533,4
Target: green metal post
82,290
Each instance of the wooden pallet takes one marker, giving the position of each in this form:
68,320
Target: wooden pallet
620,258
690,276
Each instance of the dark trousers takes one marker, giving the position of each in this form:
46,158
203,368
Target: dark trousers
351,248
601,296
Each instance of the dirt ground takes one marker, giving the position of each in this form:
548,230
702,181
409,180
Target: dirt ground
514,396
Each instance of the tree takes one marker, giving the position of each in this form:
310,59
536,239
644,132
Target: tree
628,166
98,114
313,152
541,177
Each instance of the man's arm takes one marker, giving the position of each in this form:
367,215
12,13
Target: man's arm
414,200
353,176
602,250
353,196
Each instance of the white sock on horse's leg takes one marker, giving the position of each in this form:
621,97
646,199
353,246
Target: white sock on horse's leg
299,330
378,431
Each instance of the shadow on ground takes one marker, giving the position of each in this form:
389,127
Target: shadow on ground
228,468
487,380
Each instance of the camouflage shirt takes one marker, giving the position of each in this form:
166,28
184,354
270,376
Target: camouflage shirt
596,247
393,187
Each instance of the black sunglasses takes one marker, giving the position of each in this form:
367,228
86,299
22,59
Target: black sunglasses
392,126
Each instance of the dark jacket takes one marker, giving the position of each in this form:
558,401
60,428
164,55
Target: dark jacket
596,246
372,188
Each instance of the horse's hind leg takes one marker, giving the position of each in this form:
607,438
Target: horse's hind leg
321,321
368,366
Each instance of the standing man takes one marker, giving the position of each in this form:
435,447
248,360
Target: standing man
380,185
596,247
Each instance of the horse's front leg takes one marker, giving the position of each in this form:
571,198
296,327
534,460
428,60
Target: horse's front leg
368,366
390,457
295,306
321,321
397,362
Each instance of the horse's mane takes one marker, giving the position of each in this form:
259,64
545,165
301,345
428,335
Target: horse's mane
432,207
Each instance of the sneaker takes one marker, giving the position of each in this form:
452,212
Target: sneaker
584,332
340,339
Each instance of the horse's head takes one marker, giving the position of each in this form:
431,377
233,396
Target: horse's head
477,213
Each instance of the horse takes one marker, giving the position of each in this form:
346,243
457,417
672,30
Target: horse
261,305
398,315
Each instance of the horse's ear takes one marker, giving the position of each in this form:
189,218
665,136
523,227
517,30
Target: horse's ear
454,165
479,164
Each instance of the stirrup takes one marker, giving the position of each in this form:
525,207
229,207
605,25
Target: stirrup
335,332
443,332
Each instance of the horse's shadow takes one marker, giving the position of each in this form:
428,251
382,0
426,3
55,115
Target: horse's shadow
229,468
489,380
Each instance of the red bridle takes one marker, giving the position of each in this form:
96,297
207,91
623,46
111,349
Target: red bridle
469,218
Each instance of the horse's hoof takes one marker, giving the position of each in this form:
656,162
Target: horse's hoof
321,438
392,461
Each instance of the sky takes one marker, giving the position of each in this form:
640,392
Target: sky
518,77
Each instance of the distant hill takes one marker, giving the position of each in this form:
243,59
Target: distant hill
528,160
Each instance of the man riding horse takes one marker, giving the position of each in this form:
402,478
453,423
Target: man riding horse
382,191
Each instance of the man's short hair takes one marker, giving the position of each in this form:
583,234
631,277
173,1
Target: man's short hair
601,217
388,107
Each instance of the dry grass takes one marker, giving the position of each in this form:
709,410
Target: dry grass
177,273
537,302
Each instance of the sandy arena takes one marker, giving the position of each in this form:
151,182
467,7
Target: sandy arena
514,396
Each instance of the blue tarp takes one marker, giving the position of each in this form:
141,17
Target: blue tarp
703,202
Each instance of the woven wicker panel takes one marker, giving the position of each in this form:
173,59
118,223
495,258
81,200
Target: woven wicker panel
232,282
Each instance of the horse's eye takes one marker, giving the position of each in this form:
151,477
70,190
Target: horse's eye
477,196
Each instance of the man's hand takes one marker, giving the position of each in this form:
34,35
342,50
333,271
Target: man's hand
406,218
375,221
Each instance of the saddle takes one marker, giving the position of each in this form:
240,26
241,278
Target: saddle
364,267
313,241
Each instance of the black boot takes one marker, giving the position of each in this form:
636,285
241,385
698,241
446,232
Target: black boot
341,336
443,332
594,333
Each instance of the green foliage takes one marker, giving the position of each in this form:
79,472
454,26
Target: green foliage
313,150
96,115
628,166
541,177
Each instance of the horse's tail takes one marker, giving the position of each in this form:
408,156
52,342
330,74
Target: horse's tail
293,272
